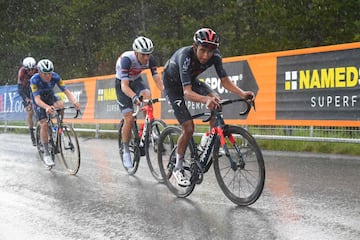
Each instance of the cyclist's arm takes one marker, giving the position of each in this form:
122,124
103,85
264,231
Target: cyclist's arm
154,73
42,104
72,99
229,85
125,87
158,82
20,88
210,101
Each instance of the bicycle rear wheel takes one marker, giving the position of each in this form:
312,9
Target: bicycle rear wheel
133,146
151,147
244,183
167,146
69,148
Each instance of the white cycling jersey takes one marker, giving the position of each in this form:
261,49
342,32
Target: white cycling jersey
128,68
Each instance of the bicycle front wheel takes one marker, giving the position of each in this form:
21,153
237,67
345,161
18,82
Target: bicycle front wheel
242,182
133,146
40,147
69,149
167,147
151,148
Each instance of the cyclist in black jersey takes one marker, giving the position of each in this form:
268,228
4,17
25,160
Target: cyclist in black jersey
180,81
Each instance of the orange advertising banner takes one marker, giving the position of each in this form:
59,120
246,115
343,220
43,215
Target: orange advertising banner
305,87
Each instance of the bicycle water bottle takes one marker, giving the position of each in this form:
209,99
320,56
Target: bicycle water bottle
54,130
203,141
207,149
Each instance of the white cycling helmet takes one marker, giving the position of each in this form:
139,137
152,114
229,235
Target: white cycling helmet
143,45
45,66
29,63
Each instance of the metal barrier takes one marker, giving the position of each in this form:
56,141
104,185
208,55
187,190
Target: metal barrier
291,133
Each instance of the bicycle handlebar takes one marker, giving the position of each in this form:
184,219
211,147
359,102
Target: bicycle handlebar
147,102
60,109
224,102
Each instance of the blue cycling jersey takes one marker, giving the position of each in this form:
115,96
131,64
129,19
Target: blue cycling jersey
46,89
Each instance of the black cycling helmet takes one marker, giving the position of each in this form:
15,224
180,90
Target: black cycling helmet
207,38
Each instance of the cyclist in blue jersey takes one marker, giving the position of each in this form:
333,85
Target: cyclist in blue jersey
180,82
26,71
45,101
130,86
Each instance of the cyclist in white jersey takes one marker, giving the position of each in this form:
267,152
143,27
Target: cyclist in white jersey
130,86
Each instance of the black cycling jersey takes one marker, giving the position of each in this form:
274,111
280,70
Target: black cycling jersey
183,68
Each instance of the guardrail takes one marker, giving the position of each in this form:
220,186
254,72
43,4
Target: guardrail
310,134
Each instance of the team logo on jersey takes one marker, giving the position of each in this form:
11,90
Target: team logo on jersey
186,64
178,102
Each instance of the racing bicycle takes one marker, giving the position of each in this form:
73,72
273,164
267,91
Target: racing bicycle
239,166
62,140
144,140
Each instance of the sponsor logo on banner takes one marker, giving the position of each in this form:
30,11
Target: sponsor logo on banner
106,105
77,89
319,86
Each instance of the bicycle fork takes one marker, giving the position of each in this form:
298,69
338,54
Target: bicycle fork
231,138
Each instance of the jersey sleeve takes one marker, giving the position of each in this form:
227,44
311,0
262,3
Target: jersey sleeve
33,85
184,69
219,66
153,66
21,73
124,68
59,82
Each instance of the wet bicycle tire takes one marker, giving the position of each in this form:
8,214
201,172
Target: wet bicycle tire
151,148
40,148
244,185
133,145
69,149
167,146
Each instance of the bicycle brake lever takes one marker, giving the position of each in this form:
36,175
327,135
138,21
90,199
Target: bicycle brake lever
253,105
77,113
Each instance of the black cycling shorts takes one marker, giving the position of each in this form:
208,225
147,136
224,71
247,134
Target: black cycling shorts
125,102
49,100
177,101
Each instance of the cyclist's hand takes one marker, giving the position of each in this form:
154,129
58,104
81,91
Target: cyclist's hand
249,96
212,102
50,109
77,105
136,100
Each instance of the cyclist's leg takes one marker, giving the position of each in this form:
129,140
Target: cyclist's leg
126,107
183,115
30,122
59,104
44,139
204,89
141,89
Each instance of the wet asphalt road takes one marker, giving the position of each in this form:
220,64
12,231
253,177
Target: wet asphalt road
305,197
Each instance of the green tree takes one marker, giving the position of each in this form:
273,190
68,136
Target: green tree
84,38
